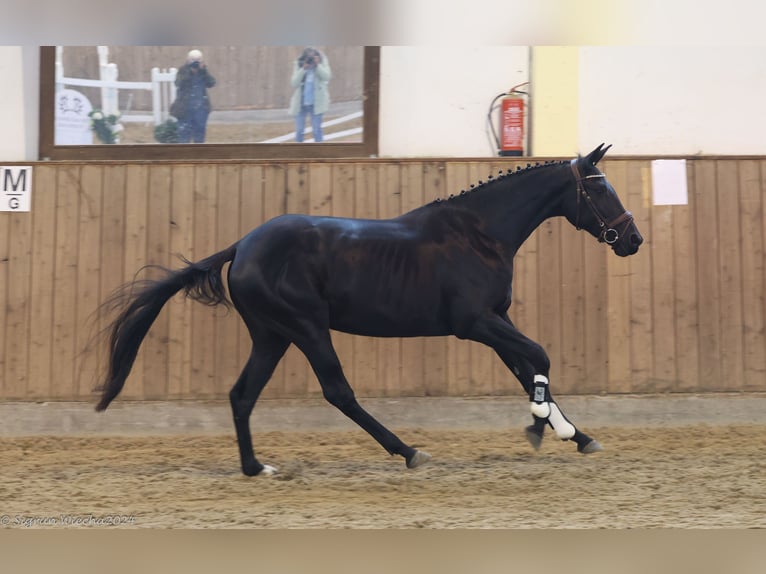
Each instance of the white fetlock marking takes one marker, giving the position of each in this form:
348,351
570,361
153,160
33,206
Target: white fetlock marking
268,470
564,429
540,410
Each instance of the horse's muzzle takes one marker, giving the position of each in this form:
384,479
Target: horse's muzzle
629,243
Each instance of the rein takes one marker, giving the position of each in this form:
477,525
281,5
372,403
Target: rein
609,233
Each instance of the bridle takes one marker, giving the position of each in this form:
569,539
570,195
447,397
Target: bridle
609,229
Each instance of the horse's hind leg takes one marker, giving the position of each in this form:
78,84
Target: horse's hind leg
335,388
267,351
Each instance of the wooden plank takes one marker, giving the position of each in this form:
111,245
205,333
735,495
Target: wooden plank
180,309
89,343
204,332
366,348
435,348
227,362
343,204
65,289
596,373
136,213
17,315
686,298
412,348
458,368
662,252
618,290
5,279
389,350
708,257
113,235
41,283
730,273
751,190
158,249
637,197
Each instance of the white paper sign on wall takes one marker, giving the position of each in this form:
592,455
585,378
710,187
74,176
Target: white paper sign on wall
669,185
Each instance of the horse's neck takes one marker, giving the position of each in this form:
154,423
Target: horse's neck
512,209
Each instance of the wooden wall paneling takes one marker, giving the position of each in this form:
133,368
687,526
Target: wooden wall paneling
5,279
134,260
41,283
158,250
708,266
412,348
89,344
751,191
182,230
664,329
685,294
618,296
389,350
730,273
229,205
458,352
17,314
204,332
637,196
112,251
65,296
366,375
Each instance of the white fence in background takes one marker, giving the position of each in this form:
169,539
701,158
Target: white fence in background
162,86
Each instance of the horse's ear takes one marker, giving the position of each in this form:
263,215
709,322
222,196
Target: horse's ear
598,153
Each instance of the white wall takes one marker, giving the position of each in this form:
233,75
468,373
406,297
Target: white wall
434,99
13,142
674,100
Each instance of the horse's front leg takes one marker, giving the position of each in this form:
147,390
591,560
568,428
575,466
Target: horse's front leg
529,362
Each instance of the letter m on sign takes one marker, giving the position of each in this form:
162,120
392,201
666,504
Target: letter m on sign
15,188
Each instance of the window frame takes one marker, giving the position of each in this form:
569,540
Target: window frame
368,147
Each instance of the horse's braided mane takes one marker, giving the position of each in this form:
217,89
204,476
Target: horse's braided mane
500,176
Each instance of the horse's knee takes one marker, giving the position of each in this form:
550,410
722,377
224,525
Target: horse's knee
539,359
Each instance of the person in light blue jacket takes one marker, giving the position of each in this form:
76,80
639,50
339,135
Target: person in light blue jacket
311,98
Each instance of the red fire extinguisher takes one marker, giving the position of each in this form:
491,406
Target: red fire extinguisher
512,124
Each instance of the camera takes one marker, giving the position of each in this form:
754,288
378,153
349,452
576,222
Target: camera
194,64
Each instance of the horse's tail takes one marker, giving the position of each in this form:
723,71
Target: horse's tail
139,303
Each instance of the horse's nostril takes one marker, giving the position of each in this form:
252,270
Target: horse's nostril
636,239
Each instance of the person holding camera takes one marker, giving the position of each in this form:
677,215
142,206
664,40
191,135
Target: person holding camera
192,104
311,98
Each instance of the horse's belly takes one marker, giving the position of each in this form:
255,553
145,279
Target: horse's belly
385,320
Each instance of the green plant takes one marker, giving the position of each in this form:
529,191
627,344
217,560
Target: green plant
167,132
106,126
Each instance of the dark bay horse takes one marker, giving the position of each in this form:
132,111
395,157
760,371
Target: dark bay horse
442,269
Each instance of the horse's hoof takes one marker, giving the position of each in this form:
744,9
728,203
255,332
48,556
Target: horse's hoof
591,447
419,458
534,438
268,470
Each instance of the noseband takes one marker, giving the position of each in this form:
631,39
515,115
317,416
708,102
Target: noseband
609,233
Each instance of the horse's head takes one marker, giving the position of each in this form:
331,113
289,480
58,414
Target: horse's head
597,208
